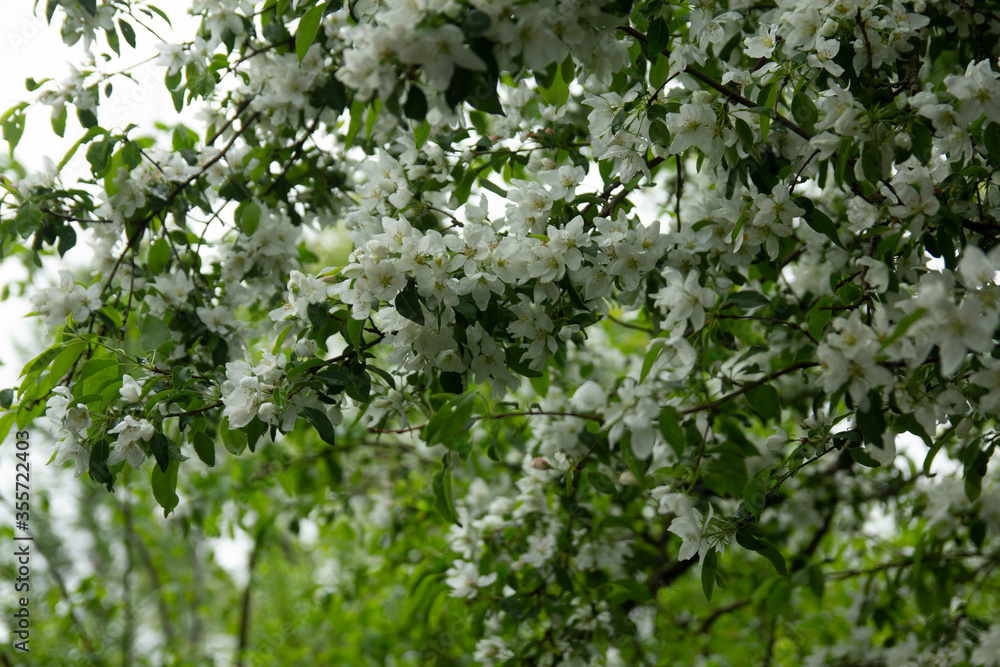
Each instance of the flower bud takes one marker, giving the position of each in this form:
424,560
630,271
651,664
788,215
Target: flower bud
266,411
628,478
701,97
540,464
305,347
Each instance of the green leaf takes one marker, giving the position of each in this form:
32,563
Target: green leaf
131,154
991,139
804,110
98,465
255,429
709,568
484,96
861,457
443,501
407,304
308,28
354,332
755,496
59,121
659,70
416,104
748,300
750,536
204,447
658,35
13,128
28,219
233,440
160,447
871,422
743,132
765,402
819,317
127,32
659,134
450,420
821,223
670,427
601,482
652,354
476,22
558,92
153,333
159,255
6,399
98,154
164,485
322,424
902,326
248,217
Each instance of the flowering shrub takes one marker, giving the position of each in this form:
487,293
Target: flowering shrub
643,299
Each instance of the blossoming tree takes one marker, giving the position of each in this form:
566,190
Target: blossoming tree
643,300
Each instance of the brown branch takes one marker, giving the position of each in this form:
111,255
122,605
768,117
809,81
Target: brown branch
712,405
244,636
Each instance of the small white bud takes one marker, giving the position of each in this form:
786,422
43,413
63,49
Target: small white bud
701,97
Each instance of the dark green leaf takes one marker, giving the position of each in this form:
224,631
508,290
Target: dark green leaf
6,398
127,32
442,496
862,457
821,223
748,299
322,424
670,427
755,496
131,154
871,421
750,536
601,482
804,110
407,304
204,447
164,485
450,419
255,429
416,104
658,35
159,445
476,22
743,132
709,567
991,139
765,402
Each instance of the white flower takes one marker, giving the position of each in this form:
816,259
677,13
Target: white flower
130,391
439,50
690,527
777,441
589,397
77,419
464,580
763,44
130,430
